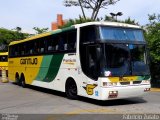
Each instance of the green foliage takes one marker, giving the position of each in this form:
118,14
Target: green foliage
71,22
7,36
109,18
128,20
93,5
152,36
81,19
40,30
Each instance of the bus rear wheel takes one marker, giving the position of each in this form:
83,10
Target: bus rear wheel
17,80
71,89
22,80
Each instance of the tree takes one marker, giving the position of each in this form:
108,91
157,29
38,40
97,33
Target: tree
131,21
94,5
18,29
152,36
71,22
128,20
40,30
7,36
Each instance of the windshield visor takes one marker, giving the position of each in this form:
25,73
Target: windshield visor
112,33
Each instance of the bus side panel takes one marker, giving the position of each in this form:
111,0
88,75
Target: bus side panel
29,66
61,68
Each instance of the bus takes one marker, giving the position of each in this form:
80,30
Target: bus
3,62
98,60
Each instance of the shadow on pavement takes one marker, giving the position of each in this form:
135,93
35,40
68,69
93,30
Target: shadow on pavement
128,101
114,102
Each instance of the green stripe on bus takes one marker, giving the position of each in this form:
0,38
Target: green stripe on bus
145,77
50,71
54,67
44,67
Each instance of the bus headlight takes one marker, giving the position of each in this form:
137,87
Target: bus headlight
145,82
105,84
108,84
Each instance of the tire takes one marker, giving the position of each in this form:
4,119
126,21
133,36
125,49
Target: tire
17,80
22,80
71,89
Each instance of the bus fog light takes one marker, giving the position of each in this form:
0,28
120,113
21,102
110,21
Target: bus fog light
146,89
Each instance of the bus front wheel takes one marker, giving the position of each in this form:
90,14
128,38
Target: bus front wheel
71,89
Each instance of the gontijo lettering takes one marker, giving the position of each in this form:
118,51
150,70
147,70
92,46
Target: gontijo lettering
29,61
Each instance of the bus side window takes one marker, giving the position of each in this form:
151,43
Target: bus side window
12,51
56,47
42,50
42,45
16,51
65,46
35,50
60,43
22,49
72,40
31,51
51,43
88,34
50,48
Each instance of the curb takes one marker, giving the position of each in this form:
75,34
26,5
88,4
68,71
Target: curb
155,90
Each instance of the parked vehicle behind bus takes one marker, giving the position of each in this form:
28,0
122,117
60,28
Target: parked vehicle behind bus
4,62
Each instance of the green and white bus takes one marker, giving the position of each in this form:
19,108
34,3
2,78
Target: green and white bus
98,60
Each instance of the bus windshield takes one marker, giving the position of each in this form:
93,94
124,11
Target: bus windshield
115,33
3,58
124,59
113,51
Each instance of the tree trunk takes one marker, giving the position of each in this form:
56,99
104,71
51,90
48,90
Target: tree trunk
82,9
96,10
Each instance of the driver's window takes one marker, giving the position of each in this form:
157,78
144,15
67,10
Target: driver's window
93,62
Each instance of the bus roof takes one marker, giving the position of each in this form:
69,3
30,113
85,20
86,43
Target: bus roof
3,53
107,23
116,24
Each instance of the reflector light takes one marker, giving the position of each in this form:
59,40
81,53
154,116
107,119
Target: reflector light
113,94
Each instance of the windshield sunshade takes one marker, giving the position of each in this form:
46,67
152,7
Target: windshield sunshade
111,33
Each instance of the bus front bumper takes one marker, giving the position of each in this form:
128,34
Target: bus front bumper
123,92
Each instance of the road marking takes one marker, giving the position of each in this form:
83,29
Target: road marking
99,110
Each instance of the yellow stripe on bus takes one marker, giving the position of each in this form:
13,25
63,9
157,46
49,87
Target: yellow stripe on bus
25,65
123,79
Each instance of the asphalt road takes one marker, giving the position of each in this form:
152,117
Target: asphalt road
33,100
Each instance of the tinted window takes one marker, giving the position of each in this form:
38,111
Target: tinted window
57,43
111,33
3,58
88,34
